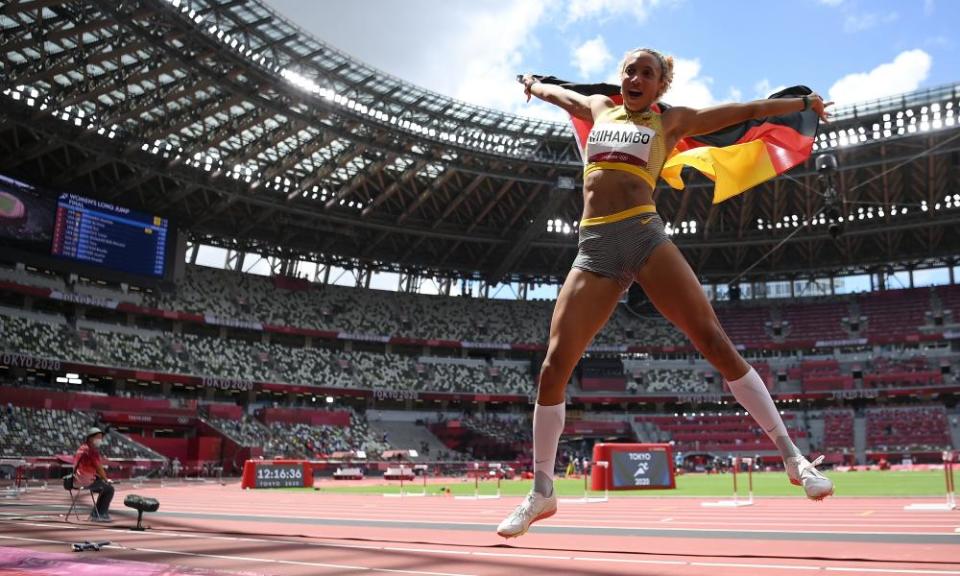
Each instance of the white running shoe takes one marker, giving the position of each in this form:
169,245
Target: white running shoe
804,473
535,507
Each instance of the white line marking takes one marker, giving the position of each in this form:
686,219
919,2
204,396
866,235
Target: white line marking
58,525
891,570
631,525
626,561
769,566
662,528
534,556
25,539
429,550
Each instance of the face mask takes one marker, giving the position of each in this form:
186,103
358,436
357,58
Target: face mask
97,443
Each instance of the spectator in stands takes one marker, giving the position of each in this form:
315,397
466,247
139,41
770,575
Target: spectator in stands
88,473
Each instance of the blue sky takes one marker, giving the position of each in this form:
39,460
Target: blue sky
853,50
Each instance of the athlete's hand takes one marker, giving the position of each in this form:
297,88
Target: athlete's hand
528,80
820,107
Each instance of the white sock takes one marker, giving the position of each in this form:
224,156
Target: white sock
752,394
547,428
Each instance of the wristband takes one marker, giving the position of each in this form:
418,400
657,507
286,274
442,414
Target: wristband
806,103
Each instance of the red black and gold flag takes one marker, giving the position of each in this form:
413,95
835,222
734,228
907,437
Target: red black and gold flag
736,158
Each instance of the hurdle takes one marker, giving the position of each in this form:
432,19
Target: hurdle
587,499
18,477
476,487
736,502
949,459
403,490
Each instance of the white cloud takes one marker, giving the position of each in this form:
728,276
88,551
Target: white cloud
606,9
689,88
490,64
763,89
468,50
904,74
591,57
854,23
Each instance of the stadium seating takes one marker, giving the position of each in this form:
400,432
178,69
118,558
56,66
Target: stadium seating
485,436
883,372
838,430
894,312
232,297
745,323
297,440
245,432
235,297
712,433
508,431
27,432
230,358
662,380
814,320
907,428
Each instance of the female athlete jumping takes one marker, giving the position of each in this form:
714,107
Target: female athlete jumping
622,240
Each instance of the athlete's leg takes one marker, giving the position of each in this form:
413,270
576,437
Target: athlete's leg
583,306
673,288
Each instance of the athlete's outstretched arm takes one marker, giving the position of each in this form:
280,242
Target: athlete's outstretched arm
574,103
683,122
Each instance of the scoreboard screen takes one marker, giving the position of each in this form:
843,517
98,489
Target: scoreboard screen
641,469
100,233
279,475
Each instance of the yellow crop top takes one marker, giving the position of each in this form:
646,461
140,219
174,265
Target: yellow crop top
627,141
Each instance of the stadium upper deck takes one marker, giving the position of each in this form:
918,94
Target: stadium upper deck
254,136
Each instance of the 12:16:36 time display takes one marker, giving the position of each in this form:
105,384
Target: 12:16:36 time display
279,474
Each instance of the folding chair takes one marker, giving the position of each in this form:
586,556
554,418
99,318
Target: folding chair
75,492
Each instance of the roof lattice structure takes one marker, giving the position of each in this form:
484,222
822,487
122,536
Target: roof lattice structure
253,135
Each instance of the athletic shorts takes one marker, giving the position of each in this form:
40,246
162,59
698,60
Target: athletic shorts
617,246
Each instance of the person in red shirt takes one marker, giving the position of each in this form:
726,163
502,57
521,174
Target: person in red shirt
88,473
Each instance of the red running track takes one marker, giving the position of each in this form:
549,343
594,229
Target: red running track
221,528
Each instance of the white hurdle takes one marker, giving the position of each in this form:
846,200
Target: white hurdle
403,490
736,502
587,499
476,487
949,458
18,478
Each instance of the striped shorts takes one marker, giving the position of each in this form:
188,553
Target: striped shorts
618,245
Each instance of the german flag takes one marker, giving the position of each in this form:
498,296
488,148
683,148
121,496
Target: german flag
736,158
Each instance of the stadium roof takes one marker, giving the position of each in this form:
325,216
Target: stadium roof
255,136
